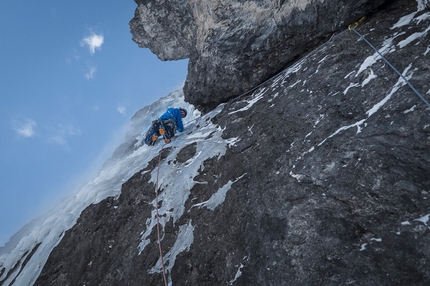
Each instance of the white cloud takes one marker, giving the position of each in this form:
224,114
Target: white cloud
91,71
121,109
94,42
26,128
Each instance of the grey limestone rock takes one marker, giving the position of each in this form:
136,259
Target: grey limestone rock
234,45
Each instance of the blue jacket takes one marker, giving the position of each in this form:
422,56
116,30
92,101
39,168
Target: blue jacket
175,115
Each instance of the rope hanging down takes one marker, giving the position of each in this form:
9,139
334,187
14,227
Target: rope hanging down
158,220
377,51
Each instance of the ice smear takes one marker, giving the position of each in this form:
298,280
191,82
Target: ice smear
323,59
386,48
294,84
251,101
356,124
410,109
363,246
281,78
404,21
219,197
277,81
369,78
182,243
399,84
413,37
349,74
350,86
176,179
238,274
424,219
423,17
374,109
422,4
318,120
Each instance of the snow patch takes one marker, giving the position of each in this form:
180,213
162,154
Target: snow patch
350,86
318,120
251,102
182,243
399,84
412,38
238,274
422,4
423,17
349,74
356,124
323,59
410,109
424,219
404,21
176,179
217,198
294,84
387,47
371,111
369,78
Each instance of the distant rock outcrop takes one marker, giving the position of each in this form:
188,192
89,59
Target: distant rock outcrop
234,45
326,178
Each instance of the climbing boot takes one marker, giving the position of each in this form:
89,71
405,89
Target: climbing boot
154,138
166,140
161,130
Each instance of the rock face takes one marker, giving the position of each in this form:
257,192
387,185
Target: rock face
326,180
234,45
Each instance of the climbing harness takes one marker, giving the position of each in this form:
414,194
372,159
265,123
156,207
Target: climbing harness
377,51
158,220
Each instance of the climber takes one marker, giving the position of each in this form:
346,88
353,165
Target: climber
166,125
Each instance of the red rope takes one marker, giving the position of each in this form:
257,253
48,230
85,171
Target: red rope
158,220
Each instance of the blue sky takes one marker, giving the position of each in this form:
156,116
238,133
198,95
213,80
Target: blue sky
70,79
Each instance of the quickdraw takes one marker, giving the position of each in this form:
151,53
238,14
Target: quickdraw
356,23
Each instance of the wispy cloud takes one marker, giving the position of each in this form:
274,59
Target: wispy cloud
72,56
62,133
93,41
121,109
91,71
24,128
